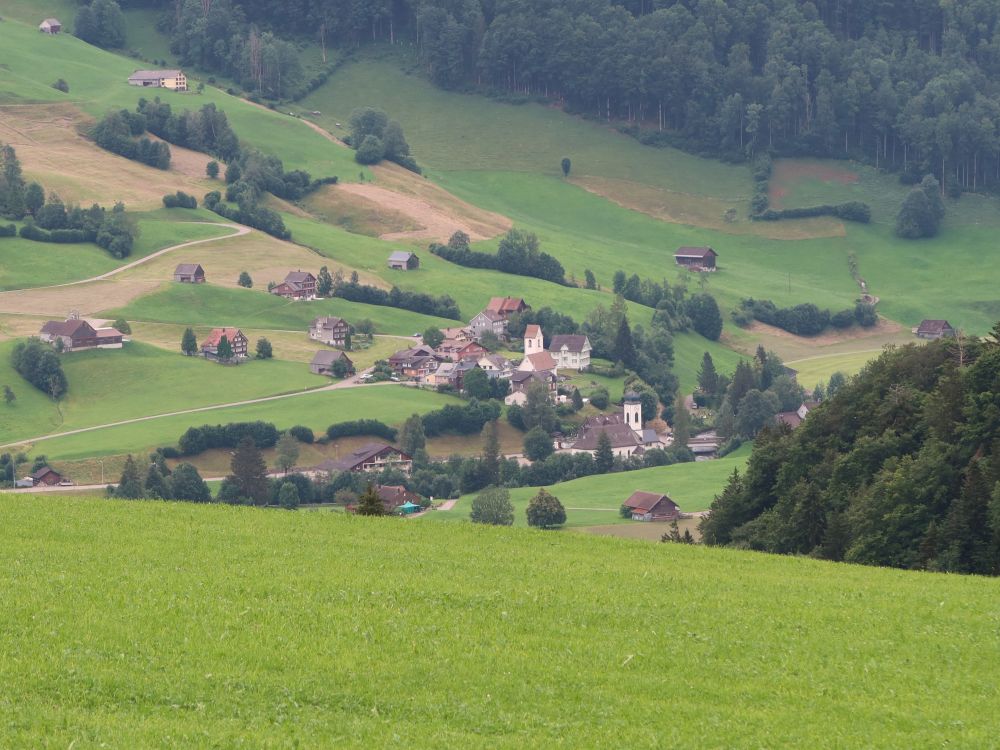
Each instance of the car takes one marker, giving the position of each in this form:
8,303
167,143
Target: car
66,483
416,335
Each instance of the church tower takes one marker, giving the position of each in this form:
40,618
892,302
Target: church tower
633,412
533,342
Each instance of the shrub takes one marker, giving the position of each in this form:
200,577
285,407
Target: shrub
199,439
180,200
8,230
302,434
61,85
842,319
361,427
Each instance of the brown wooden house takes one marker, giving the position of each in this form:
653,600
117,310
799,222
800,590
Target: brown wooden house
297,285
696,258
935,329
238,342
189,273
75,334
323,362
47,476
648,506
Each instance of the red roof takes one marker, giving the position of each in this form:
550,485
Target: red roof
645,501
506,305
216,335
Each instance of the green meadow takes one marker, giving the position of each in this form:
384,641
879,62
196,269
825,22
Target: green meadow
390,404
593,501
146,624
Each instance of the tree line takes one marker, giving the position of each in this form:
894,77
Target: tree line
518,253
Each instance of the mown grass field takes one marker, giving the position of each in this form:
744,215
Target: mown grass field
593,501
140,624
390,404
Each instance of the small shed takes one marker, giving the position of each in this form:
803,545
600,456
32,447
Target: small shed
189,273
50,26
650,506
696,258
324,360
935,329
404,261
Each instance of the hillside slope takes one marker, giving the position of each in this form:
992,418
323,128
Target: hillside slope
140,624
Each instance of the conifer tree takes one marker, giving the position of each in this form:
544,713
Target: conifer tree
370,504
189,344
708,378
225,349
249,472
130,484
604,457
491,453
155,486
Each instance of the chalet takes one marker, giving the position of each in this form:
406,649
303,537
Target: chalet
463,333
496,366
418,362
571,351
521,380
488,322
174,80
329,330
297,285
75,335
47,476
935,329
403,261
507,306
456,350
50,26
704,445
696,258
237,341
625,431
648,506
324,360
446,374
371,457
541,361
189,273
394,497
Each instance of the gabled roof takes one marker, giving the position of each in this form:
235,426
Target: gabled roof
791,418
72,328
154,75
934,326
327,321
216,335
491,315
620,435
43,471
401,256
571,342
695,252
506,305
361,456
541,361
394,495
326,357
532,331
646,501
51,22
188,269
299,277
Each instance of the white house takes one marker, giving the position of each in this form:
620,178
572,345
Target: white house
571,352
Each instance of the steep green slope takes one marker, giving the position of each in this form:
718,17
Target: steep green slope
141,624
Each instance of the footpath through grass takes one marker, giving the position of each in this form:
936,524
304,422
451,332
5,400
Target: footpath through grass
151,623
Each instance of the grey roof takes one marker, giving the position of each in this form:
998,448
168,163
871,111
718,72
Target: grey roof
572,342
326,357
328,321
934,326
359,457
621,436
401,255
188,268
298,277
153,75
649,436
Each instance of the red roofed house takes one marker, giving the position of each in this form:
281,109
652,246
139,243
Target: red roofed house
507,306
238,342
297,285
75,335
46,475
540,361
935,329
696,258
648,506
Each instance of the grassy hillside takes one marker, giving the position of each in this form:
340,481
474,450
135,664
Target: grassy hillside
139,624
596,500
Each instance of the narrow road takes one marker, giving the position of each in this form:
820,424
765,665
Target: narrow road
353,382
240,231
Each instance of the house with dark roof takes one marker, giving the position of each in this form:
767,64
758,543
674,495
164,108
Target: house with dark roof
74,335
373,457
160,79
238,342
401,260
456,350
651,506
46,475
935,329
50,26
488,321
297,285
324,362
189,273
329,330
393,496
417,362
522,380
704,445
696,258
507,306
571,351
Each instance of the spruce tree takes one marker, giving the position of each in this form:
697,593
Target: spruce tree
225,349
682,421
370,504
708,378
491,453
249,472
624,347
155,486
130,484
604,457
189,344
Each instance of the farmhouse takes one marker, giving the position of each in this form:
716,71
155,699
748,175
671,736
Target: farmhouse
324,363
189,273
235,337
935,329
696,258
649,506
496,366
794,418
521,380
76,335
507,306
571,351
463,333
371,457
417,362
456,350
297,285
50,26
404,261
624,430
329,330
47,476
160,79
394,497
488,321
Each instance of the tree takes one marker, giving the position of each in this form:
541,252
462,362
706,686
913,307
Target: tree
8,395
248,472
476,384
545,511
324,282
577,399
185,483
708,378
34,197
121,325
682,421
264,350
932,189
492,506
189,344
538,444
371,151
370,504
756,410
491,452
624,347
288,496
287,452
538,410
130,484
102,23
155,485
433,337
212,169
225,350
705,316
604,456
916,217
245,280
411,436
590,281
566,164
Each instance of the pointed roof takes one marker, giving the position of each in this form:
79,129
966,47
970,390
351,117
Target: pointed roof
532,331
216,335
646,501
571,342
695,252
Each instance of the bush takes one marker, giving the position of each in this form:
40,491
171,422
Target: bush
850,211
199,439
180,200
443,306
842,319
39,365
600,399
371,151
302,434
8,230
61,85
361,427
468,419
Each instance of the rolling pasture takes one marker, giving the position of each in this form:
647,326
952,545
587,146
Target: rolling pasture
139,624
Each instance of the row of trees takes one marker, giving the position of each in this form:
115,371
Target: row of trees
518,253
803,320
39,365
119,132
375,137
492,506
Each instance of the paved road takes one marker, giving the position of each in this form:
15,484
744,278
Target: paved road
240,231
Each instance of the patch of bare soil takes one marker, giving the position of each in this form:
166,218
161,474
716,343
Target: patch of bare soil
358,213
832,337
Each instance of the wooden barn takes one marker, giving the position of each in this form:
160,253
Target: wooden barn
696,258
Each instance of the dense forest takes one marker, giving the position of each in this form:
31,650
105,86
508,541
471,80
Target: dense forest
907,84
901,467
